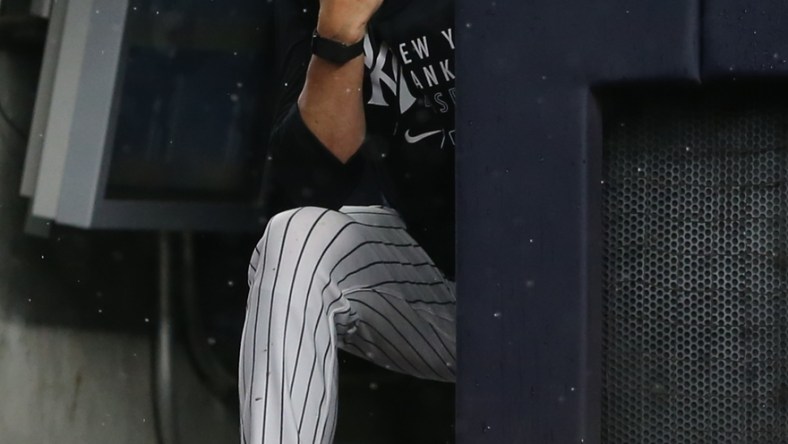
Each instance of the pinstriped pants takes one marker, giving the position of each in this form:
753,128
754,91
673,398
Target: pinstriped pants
322,279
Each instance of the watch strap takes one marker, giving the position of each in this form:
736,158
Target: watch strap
335,52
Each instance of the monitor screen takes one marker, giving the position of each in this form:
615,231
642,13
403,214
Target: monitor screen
192,108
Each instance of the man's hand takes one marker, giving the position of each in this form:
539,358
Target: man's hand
346,20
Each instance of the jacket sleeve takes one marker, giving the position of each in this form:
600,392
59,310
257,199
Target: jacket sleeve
300,171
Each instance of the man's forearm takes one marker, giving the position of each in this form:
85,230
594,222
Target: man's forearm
331,105
331,101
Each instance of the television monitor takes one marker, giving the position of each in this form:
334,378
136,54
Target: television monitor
158,117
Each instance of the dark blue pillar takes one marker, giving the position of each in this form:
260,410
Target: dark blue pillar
528,173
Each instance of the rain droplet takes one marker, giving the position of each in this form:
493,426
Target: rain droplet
497,314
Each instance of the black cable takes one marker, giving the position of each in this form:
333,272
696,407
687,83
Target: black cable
163,363
10,122
218,379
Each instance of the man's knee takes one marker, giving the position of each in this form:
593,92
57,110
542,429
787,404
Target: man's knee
293,226
299,219
299,222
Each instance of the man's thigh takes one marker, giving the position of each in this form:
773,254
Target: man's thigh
400,308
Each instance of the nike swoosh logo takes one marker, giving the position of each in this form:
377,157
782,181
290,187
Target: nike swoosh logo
415,139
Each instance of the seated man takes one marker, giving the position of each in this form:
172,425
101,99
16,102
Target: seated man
367,91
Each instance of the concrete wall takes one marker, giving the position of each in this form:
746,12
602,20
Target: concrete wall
76,314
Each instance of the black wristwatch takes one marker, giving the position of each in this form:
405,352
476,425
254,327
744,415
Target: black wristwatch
335,52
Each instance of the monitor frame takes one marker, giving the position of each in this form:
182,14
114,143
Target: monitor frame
76,155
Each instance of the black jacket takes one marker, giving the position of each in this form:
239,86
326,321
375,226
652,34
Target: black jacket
410,99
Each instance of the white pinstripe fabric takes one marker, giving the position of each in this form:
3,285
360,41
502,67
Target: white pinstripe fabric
322,279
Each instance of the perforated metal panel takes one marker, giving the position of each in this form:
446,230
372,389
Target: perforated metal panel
696,260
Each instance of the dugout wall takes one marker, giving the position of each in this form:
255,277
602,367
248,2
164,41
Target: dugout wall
621,222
